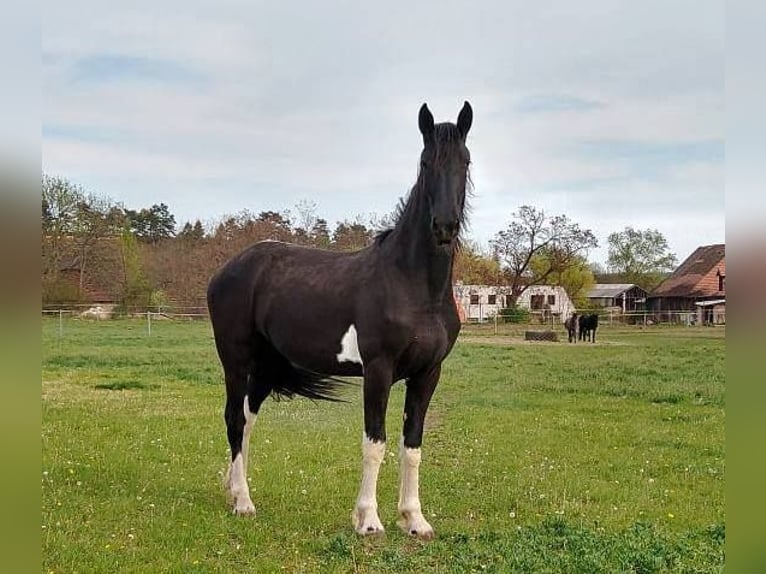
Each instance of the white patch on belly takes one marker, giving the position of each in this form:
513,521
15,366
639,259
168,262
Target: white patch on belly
349,347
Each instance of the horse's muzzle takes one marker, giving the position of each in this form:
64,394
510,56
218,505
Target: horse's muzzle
444,233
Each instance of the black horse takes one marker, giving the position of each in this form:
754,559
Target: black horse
572,325
385,312
588,325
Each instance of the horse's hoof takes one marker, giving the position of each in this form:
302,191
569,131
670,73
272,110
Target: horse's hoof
426,535
244,508
367,523
416,526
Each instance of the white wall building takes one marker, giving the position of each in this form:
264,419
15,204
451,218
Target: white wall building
483,302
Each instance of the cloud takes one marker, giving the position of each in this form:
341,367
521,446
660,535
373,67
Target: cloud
116,68
213,108
543,103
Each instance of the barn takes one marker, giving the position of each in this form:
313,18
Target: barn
627,297
696,290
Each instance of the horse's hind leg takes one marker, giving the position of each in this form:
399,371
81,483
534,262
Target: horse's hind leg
244,396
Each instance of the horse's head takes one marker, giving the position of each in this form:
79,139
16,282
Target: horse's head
444,171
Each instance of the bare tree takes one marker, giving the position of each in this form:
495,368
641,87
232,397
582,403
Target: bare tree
96,218
60,201
306,215
554,241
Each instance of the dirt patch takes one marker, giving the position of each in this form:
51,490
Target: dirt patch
501,341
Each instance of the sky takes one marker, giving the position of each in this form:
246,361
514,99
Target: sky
609,112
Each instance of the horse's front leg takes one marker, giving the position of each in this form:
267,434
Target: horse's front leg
419,392
378,378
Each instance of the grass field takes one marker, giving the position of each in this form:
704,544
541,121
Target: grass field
538,457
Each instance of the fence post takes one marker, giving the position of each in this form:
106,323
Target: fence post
149,322
61,323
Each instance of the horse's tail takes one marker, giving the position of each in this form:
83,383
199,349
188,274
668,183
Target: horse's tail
286,379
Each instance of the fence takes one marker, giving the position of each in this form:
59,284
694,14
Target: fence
610,317
97,313
613,317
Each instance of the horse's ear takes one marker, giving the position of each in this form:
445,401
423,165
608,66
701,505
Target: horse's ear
465,119
426,125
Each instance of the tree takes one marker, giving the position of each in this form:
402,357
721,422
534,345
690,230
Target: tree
472,267
351,236
273,225
191,232
555,240
153,224
307,216
640,256
576,279
136,290
320,233
95,218
60,201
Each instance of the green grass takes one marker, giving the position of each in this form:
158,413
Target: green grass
538,457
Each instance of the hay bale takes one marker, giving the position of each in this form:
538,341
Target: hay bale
551,336
98,312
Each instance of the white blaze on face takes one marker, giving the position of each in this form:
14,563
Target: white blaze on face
349,347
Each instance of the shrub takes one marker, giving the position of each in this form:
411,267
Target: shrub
514,314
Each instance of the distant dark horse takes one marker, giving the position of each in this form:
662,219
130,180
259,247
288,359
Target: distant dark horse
572,325
588,325
386,313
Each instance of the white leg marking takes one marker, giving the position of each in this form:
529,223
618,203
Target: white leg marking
411,518
349,347
249,422
239,489
365,516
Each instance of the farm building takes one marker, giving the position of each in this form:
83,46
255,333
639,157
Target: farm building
696,291
628,297
482,302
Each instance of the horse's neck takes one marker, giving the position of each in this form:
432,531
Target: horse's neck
413,249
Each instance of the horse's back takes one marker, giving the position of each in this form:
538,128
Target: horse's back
294,297
271,265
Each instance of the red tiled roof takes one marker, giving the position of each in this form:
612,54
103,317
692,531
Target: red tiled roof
697,275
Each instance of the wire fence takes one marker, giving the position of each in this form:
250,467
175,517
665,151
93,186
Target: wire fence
96,313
